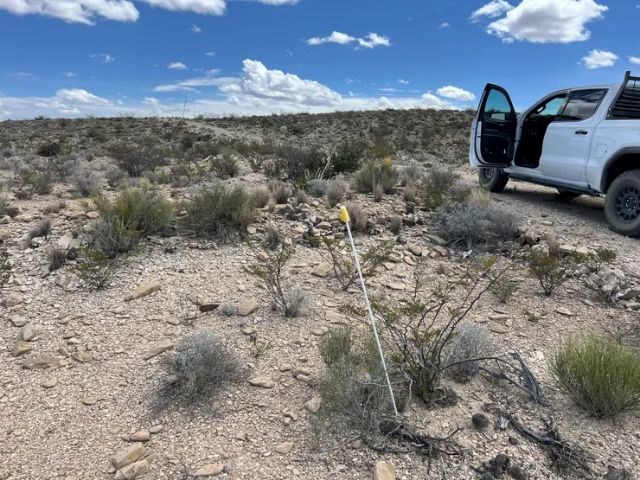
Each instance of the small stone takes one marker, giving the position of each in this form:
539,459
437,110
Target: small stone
210,470
321,270
500,329
480,421
49,382
156,429
93,215
415,249
21,347
42,361
140,436
262,256
564,311
133,470
18,321
29,332
144,289
158,349
384,471
248,306
12,300
129,455
90,400
262,381
314,404
285,448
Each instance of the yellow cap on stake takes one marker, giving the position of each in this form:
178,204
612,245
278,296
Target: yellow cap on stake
344,215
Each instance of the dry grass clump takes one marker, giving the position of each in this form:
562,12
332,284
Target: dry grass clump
378,175
336,192
601,375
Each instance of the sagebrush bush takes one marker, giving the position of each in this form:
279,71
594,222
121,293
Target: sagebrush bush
272,238
225,166
302,162
318,187
94,269
550,270
57,258
336,191
28,179
395,224
281,191
379,174
260,197
42,229
470,343
198,368
470,225
135,158
503,289
219,211
348,156
135,212
114,176
50,149
601,375
85,181
434,186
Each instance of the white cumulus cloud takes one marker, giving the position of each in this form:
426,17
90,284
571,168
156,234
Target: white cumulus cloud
79,96
541,21
634,60
372,40
177,66
456,93
599,59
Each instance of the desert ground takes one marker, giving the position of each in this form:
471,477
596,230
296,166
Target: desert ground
92,331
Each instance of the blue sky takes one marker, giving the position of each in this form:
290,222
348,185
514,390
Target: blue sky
143,57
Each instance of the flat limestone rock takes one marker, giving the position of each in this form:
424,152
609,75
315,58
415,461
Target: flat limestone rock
143,290
211,470
129,455
248,306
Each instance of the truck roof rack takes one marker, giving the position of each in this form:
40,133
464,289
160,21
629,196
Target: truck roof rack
627,102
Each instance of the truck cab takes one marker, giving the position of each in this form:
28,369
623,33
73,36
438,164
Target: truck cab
583,140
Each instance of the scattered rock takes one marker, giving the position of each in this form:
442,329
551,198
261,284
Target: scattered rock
29,332
321,270
129,455
384,471
210,470
500,329
248,306
90,400
144,289
133,470
415,249
262,256
314,404
18,321
140,436
618,474
12,300
158,349
50,382
564,311
44,360
262,381
284,448
480,421
21,347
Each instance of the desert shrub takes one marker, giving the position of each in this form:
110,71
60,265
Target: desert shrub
225,166
260,197
115,176
420,332
348,156
42,229
198,368
4,204
281,191
302,162
135,158
376,174
359,218
301,196
289,300
5,265
601,375
411,175
504,289
61,168
395,224
219,211
28,179
343,265
57,258
318,187
471,225
85,181
471,342
271,168
436,183
49,149
336,191
136,212
272,238
54,207
551,271
381,148
378,193
410,194
94,268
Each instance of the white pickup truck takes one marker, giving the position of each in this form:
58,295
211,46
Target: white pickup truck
580,140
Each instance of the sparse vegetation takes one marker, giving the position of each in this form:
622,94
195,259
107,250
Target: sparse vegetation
551,271
434,186
225,166
94,268
280,191
336,191
601,375
5,265
219,211
136,158
503,289
379,174
343,265
198,369
57,258
359,218
470,344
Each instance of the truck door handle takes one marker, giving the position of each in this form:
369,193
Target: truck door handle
582,132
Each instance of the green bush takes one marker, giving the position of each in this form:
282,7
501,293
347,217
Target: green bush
225,166
302,162
135,213
50,149
348,156
434,187
379,174
550,271
601,375
135,158
94,268
219,211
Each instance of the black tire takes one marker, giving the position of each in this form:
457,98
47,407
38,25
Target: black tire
567,196
492,179
622,205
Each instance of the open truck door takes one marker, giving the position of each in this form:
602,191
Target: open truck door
494,130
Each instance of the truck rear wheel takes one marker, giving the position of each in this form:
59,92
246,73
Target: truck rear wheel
492,179
622,205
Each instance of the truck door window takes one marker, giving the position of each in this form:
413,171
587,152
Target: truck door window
497,106
550,108
582,104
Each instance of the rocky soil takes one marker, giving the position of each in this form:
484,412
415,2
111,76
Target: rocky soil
81,369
